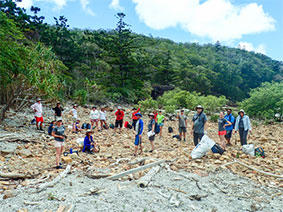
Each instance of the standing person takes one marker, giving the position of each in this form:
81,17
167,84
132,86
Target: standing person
182,125
139,130
229,129
51,126
243,124
59,134
222,123
58,111
74,113
151,130
160,121
94,117
134,118
37,109
89,145
103,118
155,115
199,121
119,119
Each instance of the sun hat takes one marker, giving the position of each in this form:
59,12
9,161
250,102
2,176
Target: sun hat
199,107
151,114
88,131
241,111
38,99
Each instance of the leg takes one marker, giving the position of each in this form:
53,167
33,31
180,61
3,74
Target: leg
161,131
101,124
180,133
58,155
61,151
37,125
241,132
152,145
195,138
223,143
91,123
245,135
184,136
106,125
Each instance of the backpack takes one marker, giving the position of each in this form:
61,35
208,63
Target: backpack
156,128
84,126
111,126
234,122
88,126
259,152
217,149
170,129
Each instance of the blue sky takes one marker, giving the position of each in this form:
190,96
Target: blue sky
254,25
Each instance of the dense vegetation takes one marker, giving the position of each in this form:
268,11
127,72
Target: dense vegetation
119,65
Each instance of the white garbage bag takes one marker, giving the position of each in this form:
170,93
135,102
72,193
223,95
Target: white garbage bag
249,149
203,147
80,141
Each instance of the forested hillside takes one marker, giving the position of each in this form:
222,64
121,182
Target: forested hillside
117,65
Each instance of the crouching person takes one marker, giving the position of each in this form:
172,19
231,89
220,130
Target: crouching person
59,134
89,145
138,130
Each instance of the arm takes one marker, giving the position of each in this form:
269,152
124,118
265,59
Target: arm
153,127
56,136
228,123
237,124
141,128
138,110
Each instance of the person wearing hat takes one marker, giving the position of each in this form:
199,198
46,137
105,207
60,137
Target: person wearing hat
59,134
151,130
243,125
58,111
199,120
229,129
37,109
182,125
134,118
89,145
119,119
138,129
74,114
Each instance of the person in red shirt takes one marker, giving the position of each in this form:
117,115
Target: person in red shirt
134,117
155,115
119,118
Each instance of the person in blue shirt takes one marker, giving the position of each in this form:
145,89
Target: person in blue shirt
243,124
229,128
51,126
89,145
138,129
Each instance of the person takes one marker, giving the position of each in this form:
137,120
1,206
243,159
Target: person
151,130
51,126
59,134
199,120
160,121
94,117
243,124
77,126
37,109
119,118
138,130
229,129
182,125
58,111
134,118
103,119
89,145
222,124
155,115
74,113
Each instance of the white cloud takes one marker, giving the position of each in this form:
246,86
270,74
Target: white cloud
84,4
249,47
115,4
215,19
25,4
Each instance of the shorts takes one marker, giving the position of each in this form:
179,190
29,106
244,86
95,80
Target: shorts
138,140
228,134
93,120
59,144
161,124
182,129
39,119
119,123
221,132
151,138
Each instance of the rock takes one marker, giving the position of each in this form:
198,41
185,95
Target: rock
201,173
22,210
217,162
67,159
8,194
25,153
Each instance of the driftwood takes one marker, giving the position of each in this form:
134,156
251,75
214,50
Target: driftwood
18,137
97,176
144,181
63,208
13,175
138,161
255,169
93,191
118,161
56,180
131,171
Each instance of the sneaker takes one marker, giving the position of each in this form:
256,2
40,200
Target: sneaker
184,140
150,151
41,129
59,167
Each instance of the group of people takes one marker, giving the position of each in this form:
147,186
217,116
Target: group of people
226,125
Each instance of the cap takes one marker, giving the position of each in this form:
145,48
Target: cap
119,108
199,107
38,99
151,114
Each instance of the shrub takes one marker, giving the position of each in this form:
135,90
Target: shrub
170,109
214,118
148,104
212,103
80,96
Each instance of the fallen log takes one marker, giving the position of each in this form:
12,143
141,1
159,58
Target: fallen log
55,181
97,176
144,181
13,175
131,171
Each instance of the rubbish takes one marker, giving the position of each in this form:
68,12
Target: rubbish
203,147
170,129
249,149
217,149
259,152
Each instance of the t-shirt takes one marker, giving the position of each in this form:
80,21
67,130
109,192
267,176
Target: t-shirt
75,113
119,115
241,123
59,131
182,120
221,123
94,114
38,107
102,115
139,127
151,122
58,111
134,114
232,120
160,119
199,121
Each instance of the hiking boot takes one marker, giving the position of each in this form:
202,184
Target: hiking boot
150,151
41,129
59,167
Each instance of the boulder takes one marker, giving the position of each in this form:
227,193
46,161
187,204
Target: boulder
9,194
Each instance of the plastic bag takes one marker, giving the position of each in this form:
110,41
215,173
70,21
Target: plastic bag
249,149
80,141
203,147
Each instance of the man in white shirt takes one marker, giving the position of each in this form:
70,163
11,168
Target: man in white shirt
37,109
94,117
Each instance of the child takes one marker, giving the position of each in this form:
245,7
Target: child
222,123
89,145
77,126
